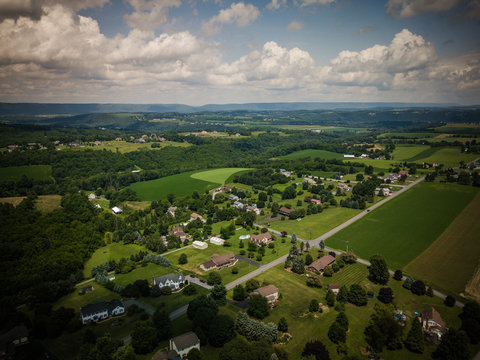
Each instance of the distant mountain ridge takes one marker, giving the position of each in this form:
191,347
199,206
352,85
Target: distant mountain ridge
75,109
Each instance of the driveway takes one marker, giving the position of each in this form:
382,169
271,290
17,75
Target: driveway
197,281
247,260
129,302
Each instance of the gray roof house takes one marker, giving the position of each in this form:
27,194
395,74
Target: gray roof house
174,281
182,344
101,310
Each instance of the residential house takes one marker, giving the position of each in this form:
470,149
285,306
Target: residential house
91,197
265,239
219,262
175,281
285,211
178,232
195,216
86,289
232,197
182,344
403,172
11,148
319,264
101,310
238,205
433,324
316,202
116,210
171,210
348,156
223,188
343,187
270,292
334,287
217,241
166,355
118,139
285,172
309,181
254,209
12,339
200,245
364,156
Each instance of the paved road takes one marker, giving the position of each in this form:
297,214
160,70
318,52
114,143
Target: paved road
179,312
132,301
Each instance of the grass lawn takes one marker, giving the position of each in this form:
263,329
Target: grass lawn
44,203
142,273
75,301
195,257
180,185
407,151
404,227
219,176
312,226
112,251
452,259
36,172
323,154
138,205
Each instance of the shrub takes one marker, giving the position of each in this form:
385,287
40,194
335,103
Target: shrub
314,281
239,293
385,295
258,306
449,301
182,259
189,290
313,307
234,270
283,325
418,287
398,275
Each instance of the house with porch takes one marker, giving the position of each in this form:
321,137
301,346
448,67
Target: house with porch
174,281
219,262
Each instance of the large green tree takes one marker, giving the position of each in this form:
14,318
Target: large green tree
258,306
414,341
378,270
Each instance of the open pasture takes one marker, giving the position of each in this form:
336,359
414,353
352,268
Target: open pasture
312,153
449,156
404,227
35,172
451,260
44,203
407,151
183,184
142,273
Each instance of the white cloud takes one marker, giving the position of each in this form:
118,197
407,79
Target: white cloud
276,4
239,13
314,2
409,8
149,14
296,25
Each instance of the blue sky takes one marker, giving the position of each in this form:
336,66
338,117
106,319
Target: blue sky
216,51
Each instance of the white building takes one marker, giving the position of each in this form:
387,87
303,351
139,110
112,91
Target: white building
216,240
200,245
101,311
184,343
174,281
91,196
346,156
116,210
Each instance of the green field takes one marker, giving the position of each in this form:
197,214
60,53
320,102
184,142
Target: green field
36,172
218,176
452,259
125,147
450,157
312,226
407,151
404,227
75,301
112,251
142,273
323,154
182,184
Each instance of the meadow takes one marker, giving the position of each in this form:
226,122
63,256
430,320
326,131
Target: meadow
44,203
183,184
407,151
450,156
142,273
312,226
452,259
125,147
35,172
312,153
406,226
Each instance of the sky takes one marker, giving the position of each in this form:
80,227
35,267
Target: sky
200,52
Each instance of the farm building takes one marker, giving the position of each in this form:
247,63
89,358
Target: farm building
216,240
265,239
174,281
200,245
219,262
270,292
334,287
319,264
346,156
285,211
116,210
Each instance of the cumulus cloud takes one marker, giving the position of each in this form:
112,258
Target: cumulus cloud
276,4
239,13
364,30
314,2
408,8
149,15
296,25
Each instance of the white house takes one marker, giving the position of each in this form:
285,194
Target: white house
182,344
195,216
233,197
174,281
254,209
238,205
346,156
116,210
91,196
285,172
171,210
101,310
216,240
200,245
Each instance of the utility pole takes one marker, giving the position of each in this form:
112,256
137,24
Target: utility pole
347,245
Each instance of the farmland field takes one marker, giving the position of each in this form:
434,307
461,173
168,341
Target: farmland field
450,156
323,154
182,184
125,147
217,175
406,152
36,172
452,259
142,273
406,226
44,203
312,226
